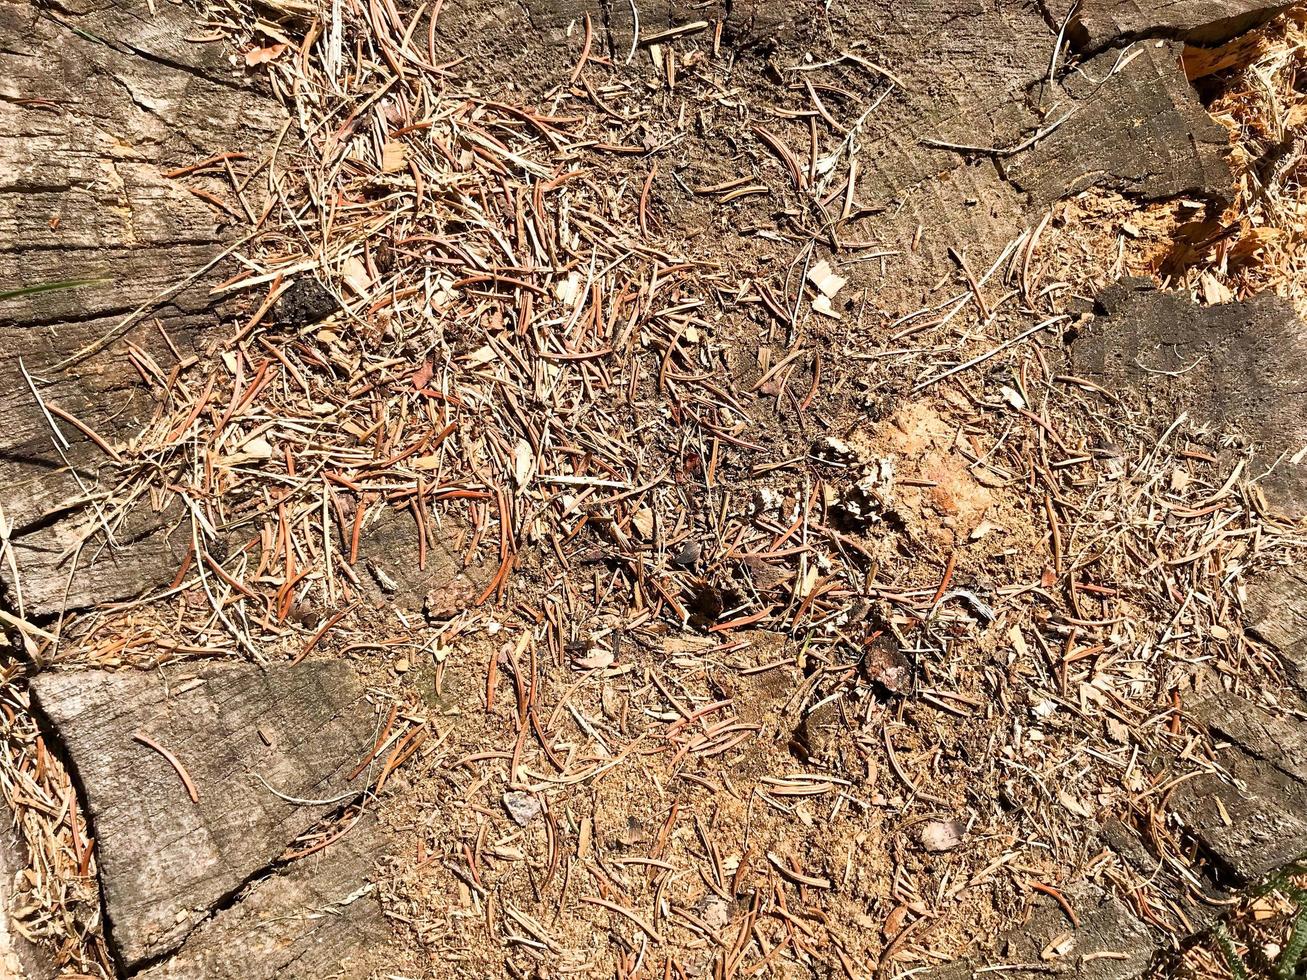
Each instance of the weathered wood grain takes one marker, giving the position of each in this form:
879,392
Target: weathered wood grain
1235,369
1109,944
97,103
390,551
1255,820
1248,822
560,22
970,75
1276,608
1136,128
240,733
315,919
123,96
1278,739
979,77
1100,23
1251,826
20,958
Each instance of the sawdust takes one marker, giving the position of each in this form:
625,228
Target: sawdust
656,728
937,487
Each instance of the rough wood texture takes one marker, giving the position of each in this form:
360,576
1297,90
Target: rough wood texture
1110,944
316,919
559,21
973,76
1266,826
97,101
1260,823
1277,613
1099,23
1194,903
1106,927
1123,133
1236,369
1273,738
166,861
1258,826
20,958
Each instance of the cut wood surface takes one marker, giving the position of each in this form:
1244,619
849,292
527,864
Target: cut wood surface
430,581
1275,738
1106,941
317,918
268,754
1099,23
97,104
1120,130
1247,820
1236,368
1277,613
1252,819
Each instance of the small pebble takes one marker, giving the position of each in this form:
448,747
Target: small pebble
941,835
522,807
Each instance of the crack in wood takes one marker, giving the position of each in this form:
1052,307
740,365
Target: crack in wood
172,869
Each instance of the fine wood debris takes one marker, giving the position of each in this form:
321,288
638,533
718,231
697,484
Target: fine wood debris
766,546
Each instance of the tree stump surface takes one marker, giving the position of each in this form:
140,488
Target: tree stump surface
1248,820
1097,24
1277,613
1253,819
1122,128
317,918
1236,368
247,739
1109,943
973,136
98,102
